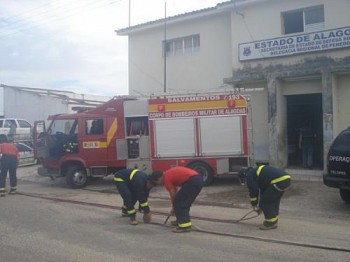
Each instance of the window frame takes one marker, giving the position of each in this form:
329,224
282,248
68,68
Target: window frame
93,131
23,123
64,126
306,27
10,123
179,46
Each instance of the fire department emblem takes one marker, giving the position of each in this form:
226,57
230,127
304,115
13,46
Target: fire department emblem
247,51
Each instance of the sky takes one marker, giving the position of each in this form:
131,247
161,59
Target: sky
72,45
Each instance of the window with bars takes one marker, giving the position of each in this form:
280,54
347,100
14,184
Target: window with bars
180,46
303,20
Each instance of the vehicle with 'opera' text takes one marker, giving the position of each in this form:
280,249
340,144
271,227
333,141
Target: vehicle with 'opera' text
338,165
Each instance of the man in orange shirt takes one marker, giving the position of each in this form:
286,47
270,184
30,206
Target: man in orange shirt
9,159
191,184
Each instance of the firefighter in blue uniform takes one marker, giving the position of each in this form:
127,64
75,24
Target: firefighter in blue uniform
134,185
266,186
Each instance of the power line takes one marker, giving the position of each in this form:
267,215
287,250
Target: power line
21,14
45,16
70,12
24,18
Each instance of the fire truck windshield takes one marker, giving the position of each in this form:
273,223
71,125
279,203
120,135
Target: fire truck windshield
66,126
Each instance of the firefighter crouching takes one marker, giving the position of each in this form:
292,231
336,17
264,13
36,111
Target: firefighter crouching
9,162
134,185
191,184
266,186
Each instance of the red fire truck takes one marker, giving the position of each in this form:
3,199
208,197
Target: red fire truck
206,132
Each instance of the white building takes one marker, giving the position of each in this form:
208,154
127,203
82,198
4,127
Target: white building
292,57
34,104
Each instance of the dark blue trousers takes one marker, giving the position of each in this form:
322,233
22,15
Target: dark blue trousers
8,165
184,199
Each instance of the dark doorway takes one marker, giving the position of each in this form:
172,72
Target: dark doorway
304,110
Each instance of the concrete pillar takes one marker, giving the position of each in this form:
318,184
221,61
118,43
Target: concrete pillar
282,142
272,119
327,106
278,151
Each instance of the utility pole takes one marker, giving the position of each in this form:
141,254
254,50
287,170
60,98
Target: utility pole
165,53
129,12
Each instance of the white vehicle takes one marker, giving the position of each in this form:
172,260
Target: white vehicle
26,153
16,129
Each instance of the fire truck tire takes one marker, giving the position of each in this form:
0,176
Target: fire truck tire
205,170
76,176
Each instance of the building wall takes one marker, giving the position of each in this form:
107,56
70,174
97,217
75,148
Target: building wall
297,87
203,70
268,81
263,21
2,107
341,103
37,104
299,74
31,106
258,116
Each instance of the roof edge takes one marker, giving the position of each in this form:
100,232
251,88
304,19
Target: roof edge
219,8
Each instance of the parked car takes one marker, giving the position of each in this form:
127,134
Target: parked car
338,165
26,153
16,129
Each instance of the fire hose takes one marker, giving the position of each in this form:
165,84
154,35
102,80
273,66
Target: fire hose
243,218
306,245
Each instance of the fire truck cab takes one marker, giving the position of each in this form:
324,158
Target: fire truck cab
82,145
207,133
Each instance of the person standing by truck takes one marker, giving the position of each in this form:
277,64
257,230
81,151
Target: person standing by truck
266,185
191,184
9,162
134,185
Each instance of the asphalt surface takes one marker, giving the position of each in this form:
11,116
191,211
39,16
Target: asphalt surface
312,197
309,198
47,216
36,230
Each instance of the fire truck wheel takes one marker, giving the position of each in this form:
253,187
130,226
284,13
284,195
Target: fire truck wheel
76,176
205,170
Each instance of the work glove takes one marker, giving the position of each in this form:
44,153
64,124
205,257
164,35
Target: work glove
147,217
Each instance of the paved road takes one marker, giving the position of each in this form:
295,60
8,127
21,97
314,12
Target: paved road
36,229
40,230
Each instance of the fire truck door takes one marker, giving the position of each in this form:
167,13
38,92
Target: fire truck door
94,142
39,140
